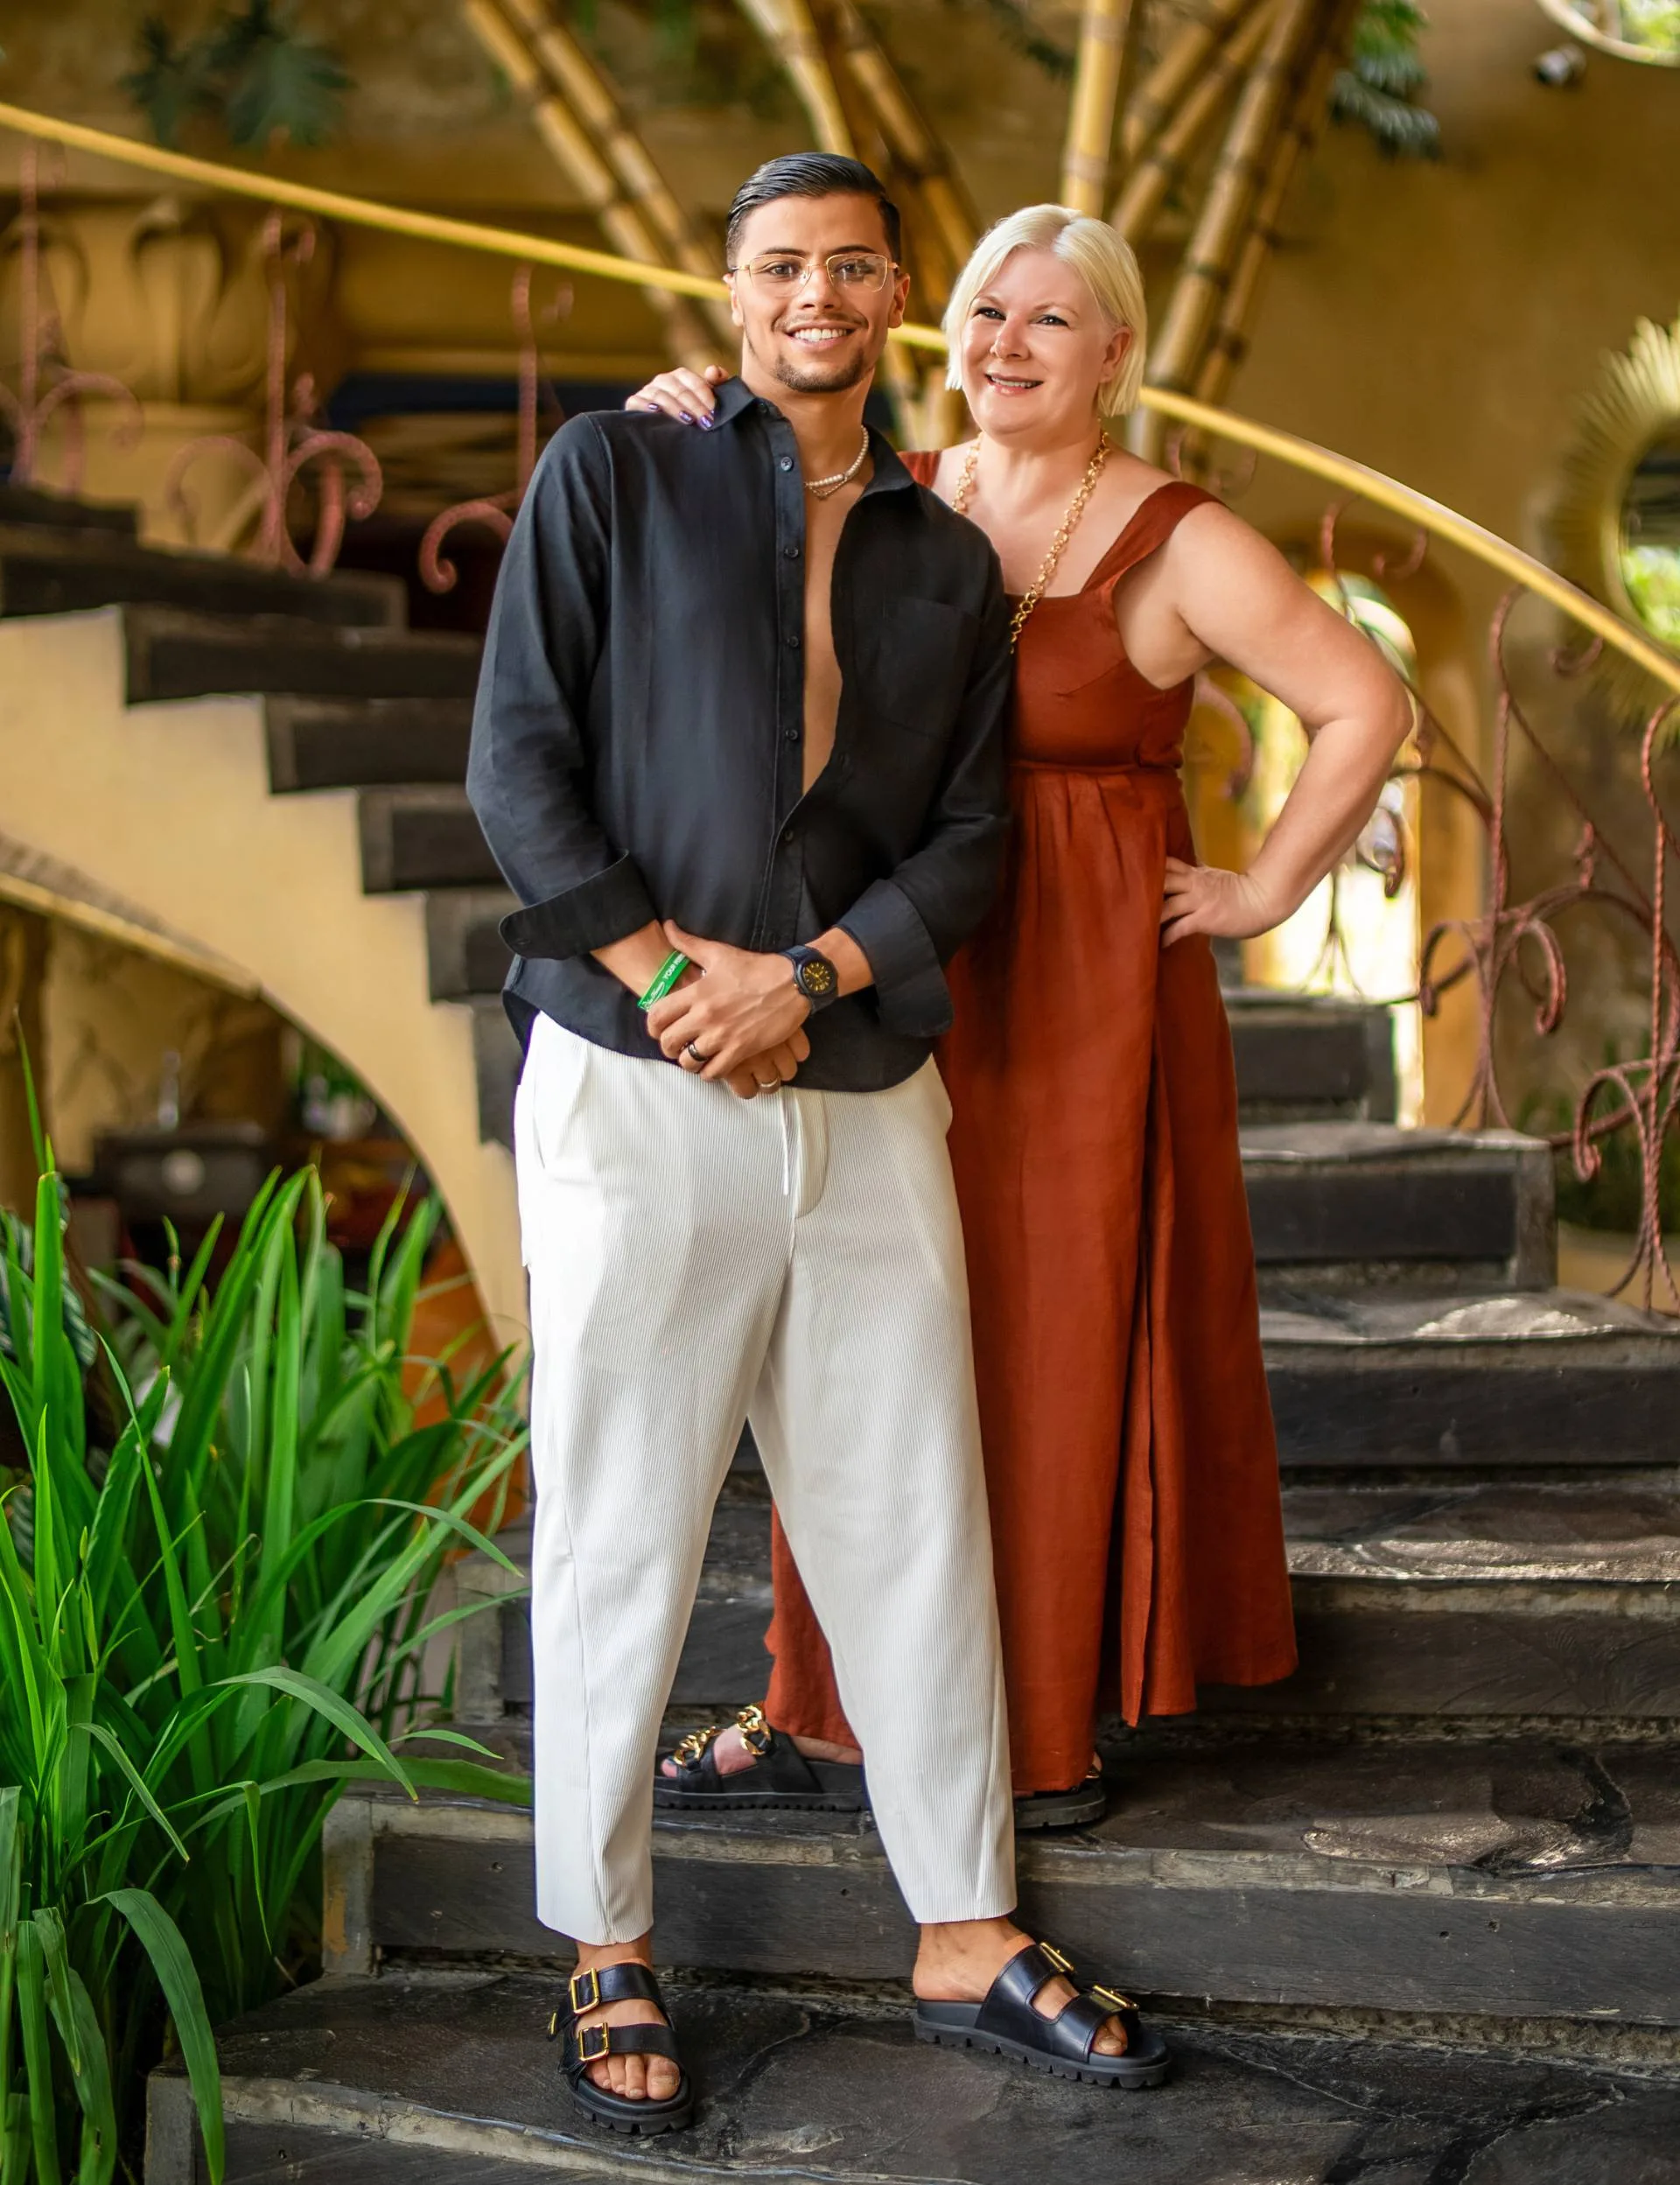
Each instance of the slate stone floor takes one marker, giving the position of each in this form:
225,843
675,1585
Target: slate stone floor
815,2089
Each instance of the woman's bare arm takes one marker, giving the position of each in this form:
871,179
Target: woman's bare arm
1240,599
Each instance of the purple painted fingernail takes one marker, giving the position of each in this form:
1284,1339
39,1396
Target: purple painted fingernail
707,422
687,419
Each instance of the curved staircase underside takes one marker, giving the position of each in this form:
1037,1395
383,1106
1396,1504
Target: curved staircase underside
216,746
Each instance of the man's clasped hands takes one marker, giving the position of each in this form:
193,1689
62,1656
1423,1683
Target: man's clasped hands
734,1014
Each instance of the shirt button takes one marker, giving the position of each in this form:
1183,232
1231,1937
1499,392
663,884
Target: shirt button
786,463
787,834
792,735
793,639
792,552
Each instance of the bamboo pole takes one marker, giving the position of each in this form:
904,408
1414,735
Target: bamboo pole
1229,344
571,144
1158,98
1105,28
1168,158
1231,192
790,31
595,102
916,151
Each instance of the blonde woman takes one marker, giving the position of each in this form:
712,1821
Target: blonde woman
1129,1454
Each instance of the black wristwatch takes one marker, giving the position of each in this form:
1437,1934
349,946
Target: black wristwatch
815,976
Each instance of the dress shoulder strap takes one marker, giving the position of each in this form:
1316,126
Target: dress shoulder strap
1152,523
922,464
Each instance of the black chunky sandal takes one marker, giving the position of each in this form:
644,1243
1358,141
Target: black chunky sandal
780,1775
1080,1808
580,2047
1007,2025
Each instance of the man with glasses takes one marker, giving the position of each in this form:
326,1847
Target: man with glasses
738,752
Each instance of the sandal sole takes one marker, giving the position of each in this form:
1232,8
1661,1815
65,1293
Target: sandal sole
1032,1819
1135,2080
636,2131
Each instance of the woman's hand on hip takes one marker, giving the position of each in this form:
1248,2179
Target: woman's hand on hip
1207,899
681,393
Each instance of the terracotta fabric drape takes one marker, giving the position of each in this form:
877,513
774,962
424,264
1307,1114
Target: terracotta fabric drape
1130,1454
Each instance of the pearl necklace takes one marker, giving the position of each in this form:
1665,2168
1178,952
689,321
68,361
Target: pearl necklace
820,488
1035,591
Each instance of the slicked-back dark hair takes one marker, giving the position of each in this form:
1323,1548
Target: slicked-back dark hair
809,174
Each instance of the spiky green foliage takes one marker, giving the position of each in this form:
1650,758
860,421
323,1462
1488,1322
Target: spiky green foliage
171,81
1380,86
277,82
206,1631
252,67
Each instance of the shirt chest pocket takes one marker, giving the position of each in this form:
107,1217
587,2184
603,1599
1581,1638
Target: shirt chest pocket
919,654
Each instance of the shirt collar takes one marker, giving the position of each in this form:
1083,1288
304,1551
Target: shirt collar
736,399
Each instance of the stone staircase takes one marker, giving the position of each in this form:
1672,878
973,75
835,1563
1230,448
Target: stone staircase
1414,1914
280,761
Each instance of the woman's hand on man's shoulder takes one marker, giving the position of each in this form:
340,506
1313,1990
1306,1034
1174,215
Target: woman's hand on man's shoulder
682,393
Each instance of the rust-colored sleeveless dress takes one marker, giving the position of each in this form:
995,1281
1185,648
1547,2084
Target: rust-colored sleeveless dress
1128,1445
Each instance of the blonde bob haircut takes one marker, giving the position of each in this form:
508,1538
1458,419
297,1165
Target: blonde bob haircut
1103,261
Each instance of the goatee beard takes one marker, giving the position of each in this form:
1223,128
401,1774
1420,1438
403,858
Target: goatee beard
836,382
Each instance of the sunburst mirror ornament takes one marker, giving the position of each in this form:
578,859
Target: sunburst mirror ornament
1616,522
1632,29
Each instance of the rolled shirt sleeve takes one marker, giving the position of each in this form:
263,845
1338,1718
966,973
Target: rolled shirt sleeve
528,770
911,924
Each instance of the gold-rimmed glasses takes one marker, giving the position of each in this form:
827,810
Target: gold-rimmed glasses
784,272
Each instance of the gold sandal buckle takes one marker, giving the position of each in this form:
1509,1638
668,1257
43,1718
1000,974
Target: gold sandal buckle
1114,1998
756,1734
601,2036
584,1997
1061,1964
690,1751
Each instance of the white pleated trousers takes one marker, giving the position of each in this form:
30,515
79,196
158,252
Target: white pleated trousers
696,1260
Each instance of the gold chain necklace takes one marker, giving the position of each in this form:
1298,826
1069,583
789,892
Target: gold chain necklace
820,488
1069,524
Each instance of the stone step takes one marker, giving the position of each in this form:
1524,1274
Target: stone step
37,506
46,571
316,743
1513,1599
467,957
1498,1878
421,837
1514,1378
1347,1204
1311,1057
448,2079
172,654
1452,1599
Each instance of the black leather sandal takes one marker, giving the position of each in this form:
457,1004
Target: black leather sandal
778,1777
1080,1808
582,2046
1007,2025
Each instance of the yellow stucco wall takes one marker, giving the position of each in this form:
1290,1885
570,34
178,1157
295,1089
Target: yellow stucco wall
168,806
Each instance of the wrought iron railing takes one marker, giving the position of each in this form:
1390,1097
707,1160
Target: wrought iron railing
1509,945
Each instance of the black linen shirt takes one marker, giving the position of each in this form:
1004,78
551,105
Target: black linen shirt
638,745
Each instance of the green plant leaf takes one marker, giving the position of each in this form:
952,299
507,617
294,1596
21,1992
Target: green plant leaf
339,1712
178,1977
169,83
135,1782
38,2057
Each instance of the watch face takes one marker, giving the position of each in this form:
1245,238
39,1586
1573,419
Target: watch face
816,976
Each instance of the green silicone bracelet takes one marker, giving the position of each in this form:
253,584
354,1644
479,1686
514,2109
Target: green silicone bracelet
667,975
